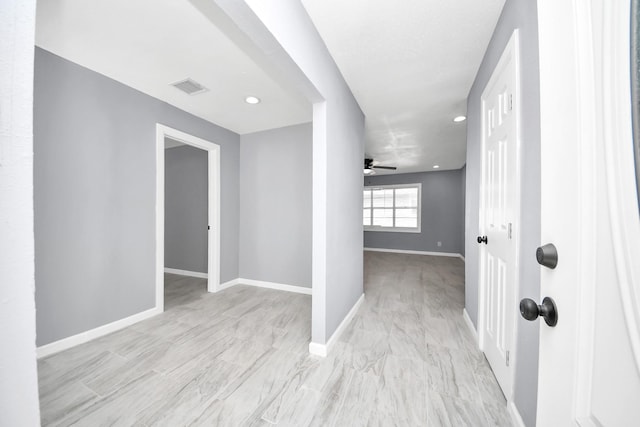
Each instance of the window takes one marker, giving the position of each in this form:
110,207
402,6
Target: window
392,208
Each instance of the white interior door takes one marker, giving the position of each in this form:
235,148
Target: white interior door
589,364
500,215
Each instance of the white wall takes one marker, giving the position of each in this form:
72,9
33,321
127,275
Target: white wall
18,371
275,205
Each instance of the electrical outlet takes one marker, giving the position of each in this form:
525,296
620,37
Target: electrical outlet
439,244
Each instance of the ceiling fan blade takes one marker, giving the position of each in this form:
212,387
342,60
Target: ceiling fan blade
385,167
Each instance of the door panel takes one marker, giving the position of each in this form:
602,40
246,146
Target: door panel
589,364
499,214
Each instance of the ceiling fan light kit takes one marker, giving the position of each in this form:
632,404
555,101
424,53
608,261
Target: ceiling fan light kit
369,167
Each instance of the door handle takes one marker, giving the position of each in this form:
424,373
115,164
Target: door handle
547,255
482,239
530,310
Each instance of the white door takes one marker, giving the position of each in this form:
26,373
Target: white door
589,364
499,215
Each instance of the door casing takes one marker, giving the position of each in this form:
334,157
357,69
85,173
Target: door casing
213,255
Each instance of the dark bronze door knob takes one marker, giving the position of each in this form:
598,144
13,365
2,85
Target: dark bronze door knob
547,255
531,311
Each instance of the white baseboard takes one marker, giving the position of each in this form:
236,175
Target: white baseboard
83,337
515,414
263,284
324,349
187,273
318,349
228,284
469,323
403,251
276,286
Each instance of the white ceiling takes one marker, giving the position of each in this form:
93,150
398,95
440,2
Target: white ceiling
410,65
148,44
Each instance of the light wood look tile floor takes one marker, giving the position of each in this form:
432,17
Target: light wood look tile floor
240,358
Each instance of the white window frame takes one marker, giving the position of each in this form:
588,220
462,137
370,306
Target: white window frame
417,229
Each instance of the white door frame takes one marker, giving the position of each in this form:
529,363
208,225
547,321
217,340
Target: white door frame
512,48
213,255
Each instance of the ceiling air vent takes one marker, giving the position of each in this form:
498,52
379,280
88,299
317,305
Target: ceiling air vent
190,87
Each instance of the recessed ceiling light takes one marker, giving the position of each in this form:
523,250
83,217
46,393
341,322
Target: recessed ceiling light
436,166
459,119
252,100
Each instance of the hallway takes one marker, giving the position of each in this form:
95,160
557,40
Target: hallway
240,357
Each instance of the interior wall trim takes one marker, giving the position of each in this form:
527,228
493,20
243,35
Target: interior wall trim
405,251
228,284
323,350
91,334
469,323
186,273
515,414
269,285
86,336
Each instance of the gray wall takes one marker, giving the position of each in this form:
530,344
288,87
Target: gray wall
520,14
275,205
463,193
186,208
18,368
338,150
94,172
442,212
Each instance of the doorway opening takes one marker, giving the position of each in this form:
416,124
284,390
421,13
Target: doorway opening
164,133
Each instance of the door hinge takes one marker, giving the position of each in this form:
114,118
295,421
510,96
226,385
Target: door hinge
507,357
208,227
510,101
510,231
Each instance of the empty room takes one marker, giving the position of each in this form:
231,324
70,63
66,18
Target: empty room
319,213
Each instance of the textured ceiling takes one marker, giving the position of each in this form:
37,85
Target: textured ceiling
148,44
410,65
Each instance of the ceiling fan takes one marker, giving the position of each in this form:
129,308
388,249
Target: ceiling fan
369,167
